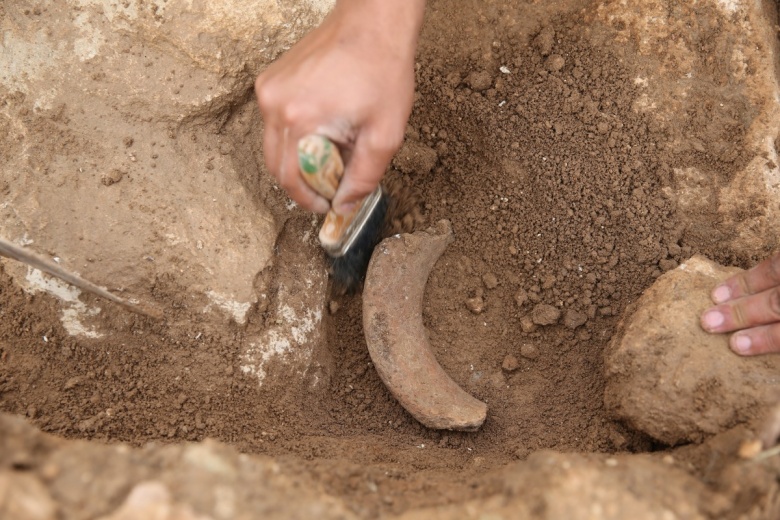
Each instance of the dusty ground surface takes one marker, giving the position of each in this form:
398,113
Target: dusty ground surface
576,162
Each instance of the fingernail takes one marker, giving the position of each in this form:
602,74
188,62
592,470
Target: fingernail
721,294
713,320
741,343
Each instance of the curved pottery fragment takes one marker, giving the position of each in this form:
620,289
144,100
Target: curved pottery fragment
397,339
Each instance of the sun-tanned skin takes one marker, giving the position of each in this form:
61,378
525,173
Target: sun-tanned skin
352,80
750,304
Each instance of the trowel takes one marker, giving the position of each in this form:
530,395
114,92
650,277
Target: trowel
20,254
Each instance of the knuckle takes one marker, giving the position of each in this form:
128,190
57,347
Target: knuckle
289,114
386,142
294,113
772,339
774,303
739,316
265,95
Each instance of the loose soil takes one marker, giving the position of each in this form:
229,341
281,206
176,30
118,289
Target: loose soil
559,196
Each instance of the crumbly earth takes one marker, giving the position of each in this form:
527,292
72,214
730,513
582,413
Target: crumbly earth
567,201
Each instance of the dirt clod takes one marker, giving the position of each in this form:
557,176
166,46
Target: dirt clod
527,324
415,157
573,319
544,40
72,382
490,280
479,81
544,314
529,351
510,363
554,63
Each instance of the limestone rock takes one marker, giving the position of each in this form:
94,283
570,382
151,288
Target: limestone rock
121,154
552,486
152,500
24,497
476,304
669,378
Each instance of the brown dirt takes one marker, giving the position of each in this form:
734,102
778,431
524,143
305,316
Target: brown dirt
555,190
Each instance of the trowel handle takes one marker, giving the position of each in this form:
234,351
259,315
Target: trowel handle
321,164
322,168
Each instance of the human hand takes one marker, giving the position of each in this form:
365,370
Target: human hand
351,80
749,303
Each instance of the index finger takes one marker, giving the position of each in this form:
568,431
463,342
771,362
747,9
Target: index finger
753,281
365,169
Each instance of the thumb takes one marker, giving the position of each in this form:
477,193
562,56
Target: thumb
366,167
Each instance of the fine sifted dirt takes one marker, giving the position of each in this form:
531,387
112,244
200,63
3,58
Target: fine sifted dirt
524,136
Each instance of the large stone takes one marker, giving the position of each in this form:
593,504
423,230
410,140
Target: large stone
152,501
553,486
207,480
669,378
114,153
212,480
23,497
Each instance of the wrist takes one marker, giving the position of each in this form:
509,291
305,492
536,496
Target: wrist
392,24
